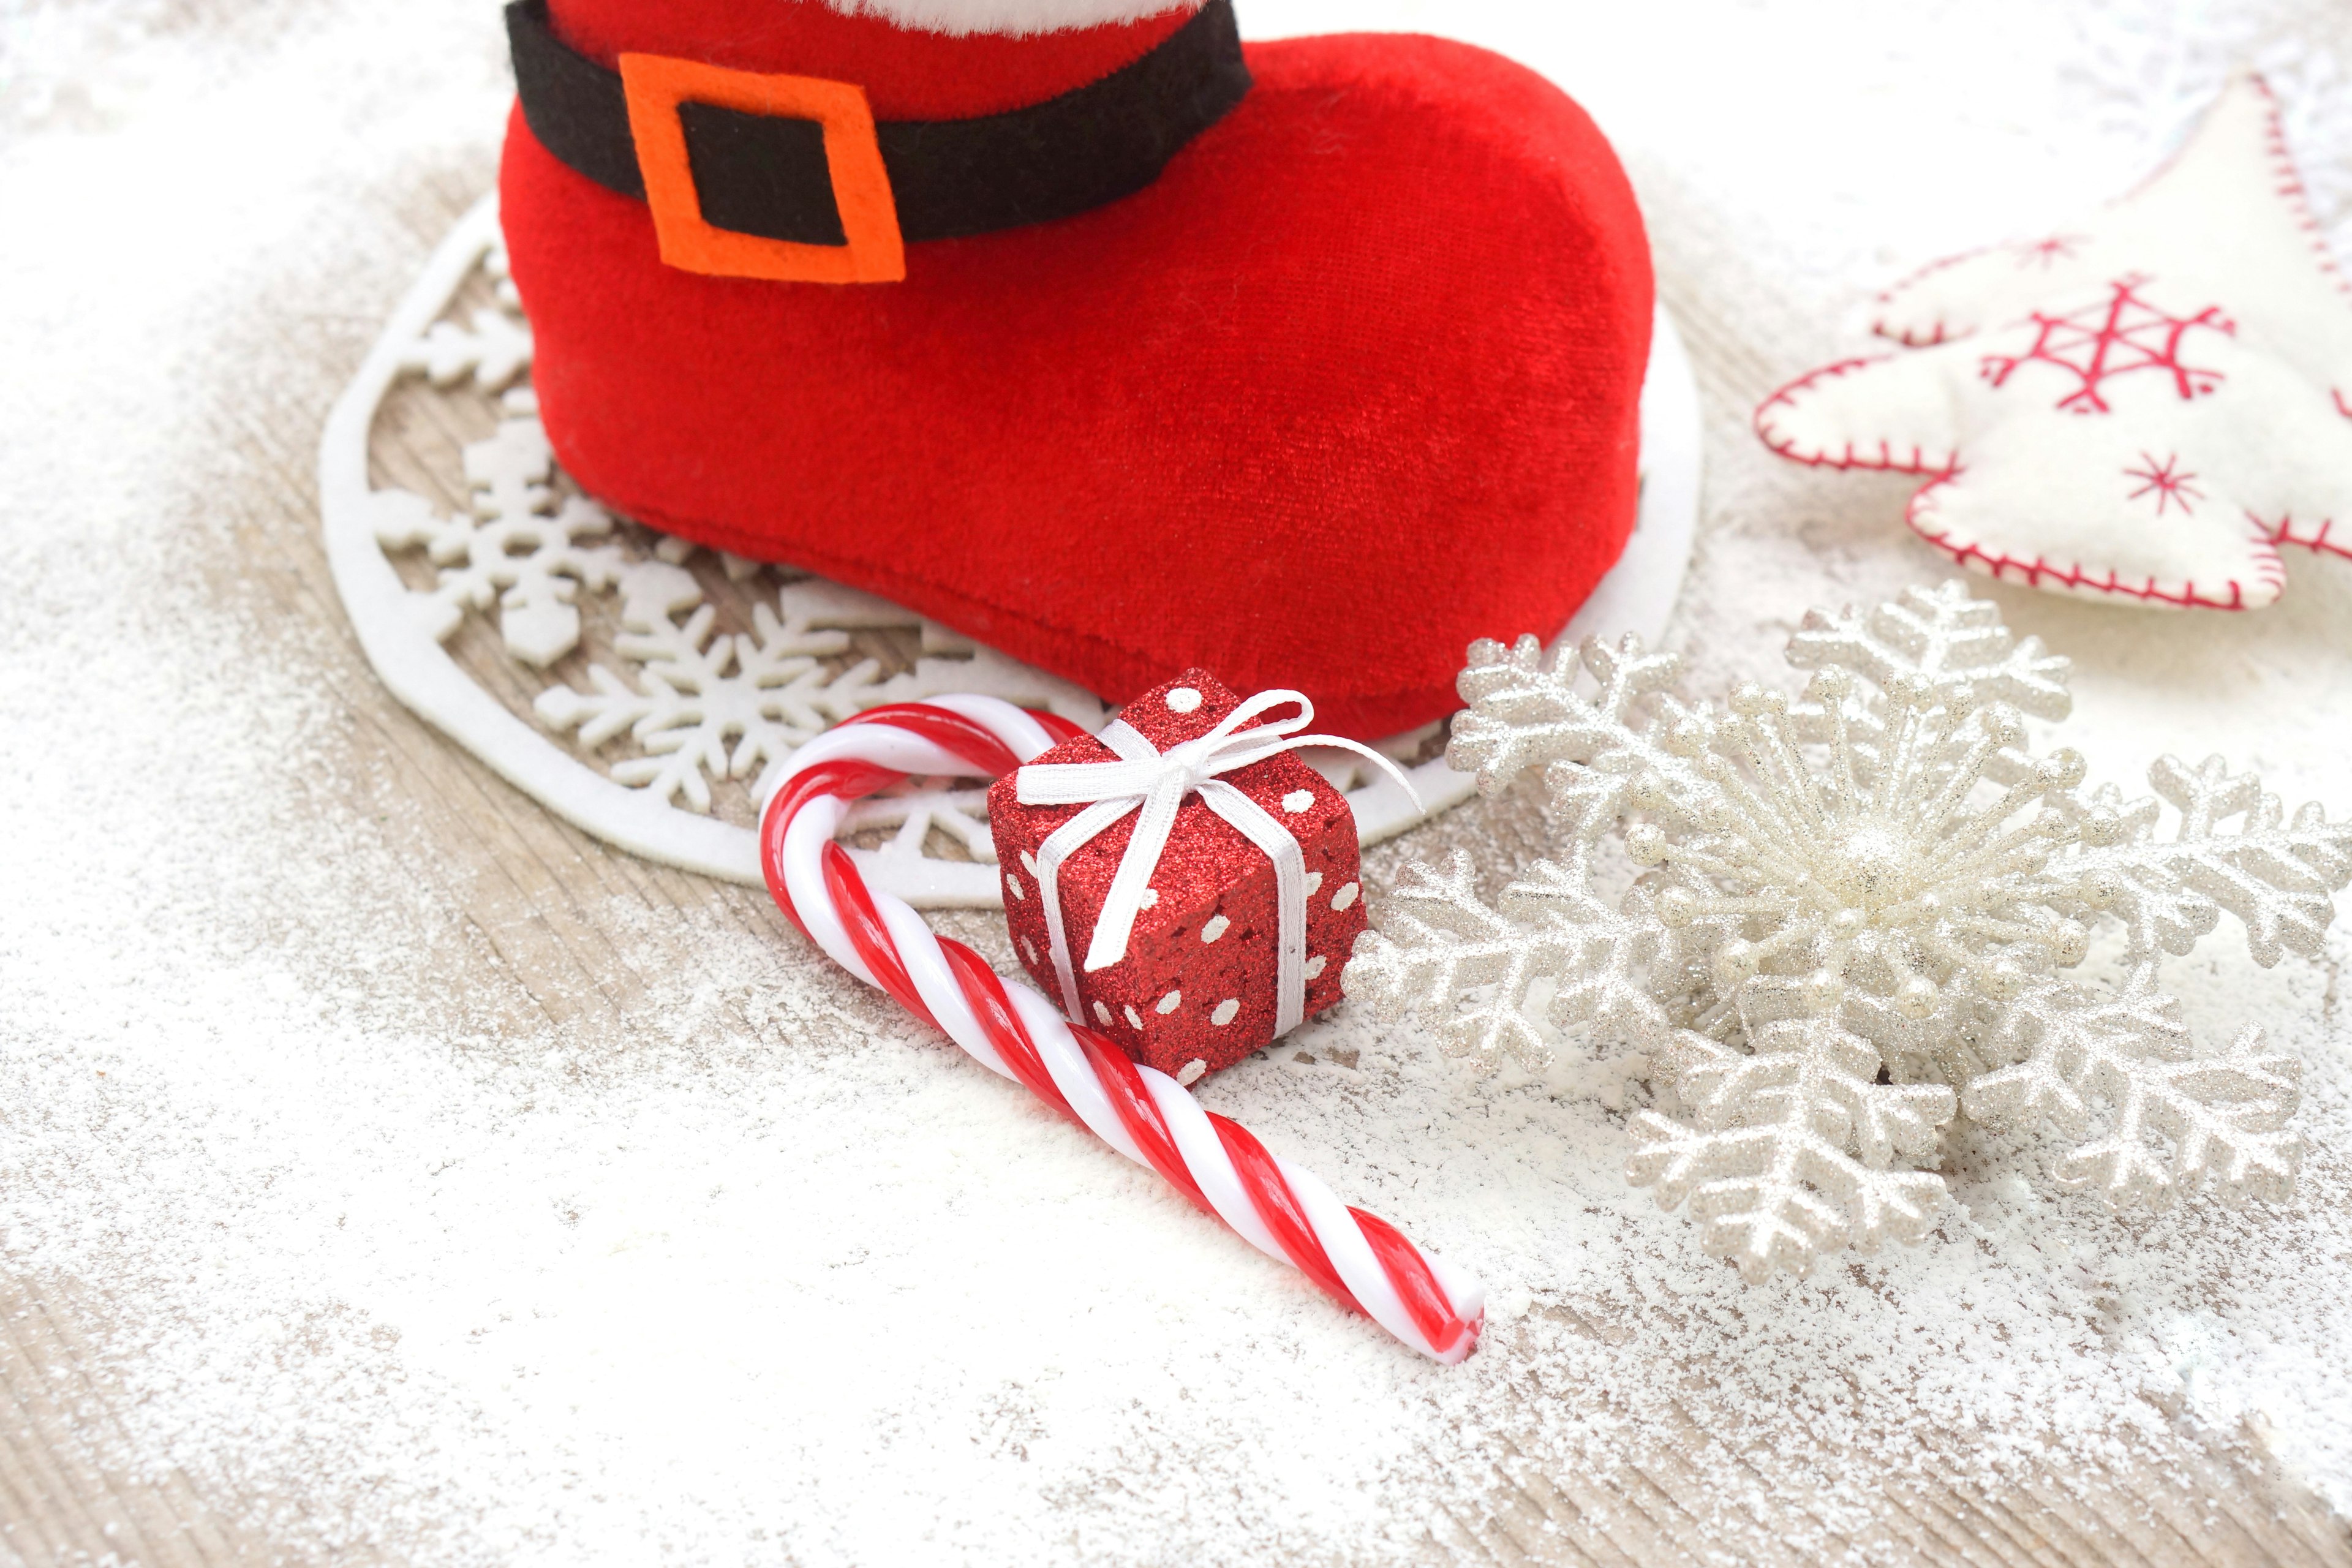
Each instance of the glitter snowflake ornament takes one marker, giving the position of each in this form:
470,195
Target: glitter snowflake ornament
1854,916
2148,407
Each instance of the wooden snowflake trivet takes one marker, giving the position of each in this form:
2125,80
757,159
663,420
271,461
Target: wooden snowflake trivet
651,692
1860,913
2145,406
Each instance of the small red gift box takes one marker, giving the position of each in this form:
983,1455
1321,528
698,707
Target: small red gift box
1200,982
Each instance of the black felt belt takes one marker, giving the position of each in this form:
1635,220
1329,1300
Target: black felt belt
760,175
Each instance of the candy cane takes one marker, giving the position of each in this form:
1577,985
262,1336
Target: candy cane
1285,1212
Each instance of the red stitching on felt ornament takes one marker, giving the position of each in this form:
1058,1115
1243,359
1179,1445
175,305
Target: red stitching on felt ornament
2045,251
2287,185
2298,201
2127,335
1939,333
1905,285
2282,532
2167,485
1885,460
2057,248
2075,576
2120,337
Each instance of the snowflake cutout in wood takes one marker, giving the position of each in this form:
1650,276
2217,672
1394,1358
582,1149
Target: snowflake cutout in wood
1856,915
2146,406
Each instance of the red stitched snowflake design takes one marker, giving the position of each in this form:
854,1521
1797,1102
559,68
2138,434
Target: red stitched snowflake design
2165,483
2047,253
2123,335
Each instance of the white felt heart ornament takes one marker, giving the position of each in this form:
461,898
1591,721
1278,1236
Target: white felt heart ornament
2146,407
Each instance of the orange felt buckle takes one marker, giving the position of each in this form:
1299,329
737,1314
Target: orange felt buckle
657,84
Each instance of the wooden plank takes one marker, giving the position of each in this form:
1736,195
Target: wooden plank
63,1499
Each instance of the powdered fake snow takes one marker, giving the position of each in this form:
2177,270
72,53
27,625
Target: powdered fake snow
379,1255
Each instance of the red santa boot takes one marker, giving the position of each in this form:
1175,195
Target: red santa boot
1082,328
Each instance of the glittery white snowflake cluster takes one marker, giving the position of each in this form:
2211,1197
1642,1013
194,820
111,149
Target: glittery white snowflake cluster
1856,914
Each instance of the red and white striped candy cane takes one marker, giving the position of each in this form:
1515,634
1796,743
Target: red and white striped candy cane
1006,1026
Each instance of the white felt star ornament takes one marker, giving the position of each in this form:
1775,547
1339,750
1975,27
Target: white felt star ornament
2146,407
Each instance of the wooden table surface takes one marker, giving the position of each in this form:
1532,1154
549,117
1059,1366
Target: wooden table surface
563,930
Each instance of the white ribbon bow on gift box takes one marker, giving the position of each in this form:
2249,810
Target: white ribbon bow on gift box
1157,781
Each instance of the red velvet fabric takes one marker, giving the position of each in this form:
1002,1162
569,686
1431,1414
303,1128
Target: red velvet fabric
1354,383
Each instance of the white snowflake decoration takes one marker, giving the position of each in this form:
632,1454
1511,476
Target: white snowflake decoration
767,689
1859,914
520,549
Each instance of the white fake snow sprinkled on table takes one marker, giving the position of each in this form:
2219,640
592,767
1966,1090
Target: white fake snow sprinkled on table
774,1277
